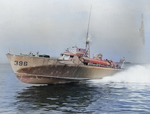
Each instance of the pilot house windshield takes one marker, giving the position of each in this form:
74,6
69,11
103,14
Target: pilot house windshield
65,57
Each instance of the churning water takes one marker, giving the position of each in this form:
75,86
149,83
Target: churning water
126,92
133,74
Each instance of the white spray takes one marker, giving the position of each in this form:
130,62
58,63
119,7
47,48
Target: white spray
134,74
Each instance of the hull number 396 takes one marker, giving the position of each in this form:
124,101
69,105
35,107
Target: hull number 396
21,63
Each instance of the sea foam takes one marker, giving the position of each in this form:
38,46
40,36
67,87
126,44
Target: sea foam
137,74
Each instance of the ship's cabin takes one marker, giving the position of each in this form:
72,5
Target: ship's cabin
71,53
66,56
76,50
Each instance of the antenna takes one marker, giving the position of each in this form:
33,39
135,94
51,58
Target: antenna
87,38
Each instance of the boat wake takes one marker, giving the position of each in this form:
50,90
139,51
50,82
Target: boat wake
134,74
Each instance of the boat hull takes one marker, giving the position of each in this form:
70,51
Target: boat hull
40,79
37,70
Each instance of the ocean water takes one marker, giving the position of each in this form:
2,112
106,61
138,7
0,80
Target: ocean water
127,92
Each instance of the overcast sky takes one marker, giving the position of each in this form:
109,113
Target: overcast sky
51,26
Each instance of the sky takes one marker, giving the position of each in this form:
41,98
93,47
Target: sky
51,26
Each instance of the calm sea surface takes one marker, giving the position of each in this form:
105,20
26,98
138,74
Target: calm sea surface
127,92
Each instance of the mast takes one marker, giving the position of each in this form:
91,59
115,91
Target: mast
87,38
